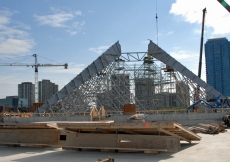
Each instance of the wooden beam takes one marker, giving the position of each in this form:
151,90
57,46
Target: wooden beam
195,136
52,126
102,130
172,134
127,131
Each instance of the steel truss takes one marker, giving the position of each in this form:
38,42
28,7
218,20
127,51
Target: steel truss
134,78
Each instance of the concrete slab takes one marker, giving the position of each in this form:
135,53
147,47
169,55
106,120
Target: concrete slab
210,148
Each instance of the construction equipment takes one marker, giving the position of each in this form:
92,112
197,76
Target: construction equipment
212,103
35,65
197,95
225,4
201,44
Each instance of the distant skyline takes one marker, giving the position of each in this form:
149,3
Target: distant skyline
77,32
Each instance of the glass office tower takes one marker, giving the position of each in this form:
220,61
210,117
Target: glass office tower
217,55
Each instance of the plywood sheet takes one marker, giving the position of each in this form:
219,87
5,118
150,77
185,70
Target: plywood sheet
91,140
168,143
29,136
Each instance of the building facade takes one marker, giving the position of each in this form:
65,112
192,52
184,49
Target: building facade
27,90
46,89
14,103
217,55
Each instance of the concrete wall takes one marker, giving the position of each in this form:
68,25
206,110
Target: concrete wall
46,118
184,119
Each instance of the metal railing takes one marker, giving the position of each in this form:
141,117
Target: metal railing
173,111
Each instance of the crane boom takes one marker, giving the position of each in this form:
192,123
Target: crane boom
224,4
35,65
32,65
201,43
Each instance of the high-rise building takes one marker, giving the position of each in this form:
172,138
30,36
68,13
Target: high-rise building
46,90
27,90
217,55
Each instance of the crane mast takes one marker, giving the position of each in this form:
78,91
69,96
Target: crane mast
197,95
36,77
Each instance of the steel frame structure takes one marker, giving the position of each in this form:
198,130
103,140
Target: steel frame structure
132,78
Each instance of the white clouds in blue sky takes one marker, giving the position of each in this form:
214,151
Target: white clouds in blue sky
14,35
99,49
61,19
190,11
77,32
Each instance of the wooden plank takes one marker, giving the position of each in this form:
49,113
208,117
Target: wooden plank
127,131
52,126
29,136
168,143
115,149
125,125
173,134
194,136
122,141
90,140
25,125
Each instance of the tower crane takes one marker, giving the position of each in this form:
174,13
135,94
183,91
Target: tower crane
35,65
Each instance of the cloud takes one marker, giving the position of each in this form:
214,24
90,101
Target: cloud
54,20
14,46
183,55
76,27
191,11
14,36
78,13
189,60
62,19
171,32
100,49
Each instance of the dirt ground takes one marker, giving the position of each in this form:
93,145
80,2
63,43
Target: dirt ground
211,148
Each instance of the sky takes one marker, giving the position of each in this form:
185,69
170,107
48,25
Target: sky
77,32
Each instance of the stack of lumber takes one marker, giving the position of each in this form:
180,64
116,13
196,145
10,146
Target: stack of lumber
208,128
148,137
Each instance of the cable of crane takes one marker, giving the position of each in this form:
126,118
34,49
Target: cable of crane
156,22
21,60
7,58
48,59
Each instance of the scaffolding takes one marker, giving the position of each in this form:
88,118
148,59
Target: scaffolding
132,78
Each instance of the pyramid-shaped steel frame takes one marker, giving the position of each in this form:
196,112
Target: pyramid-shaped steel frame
116,78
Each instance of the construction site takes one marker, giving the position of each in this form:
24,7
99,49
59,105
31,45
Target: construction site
123,102
122,107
